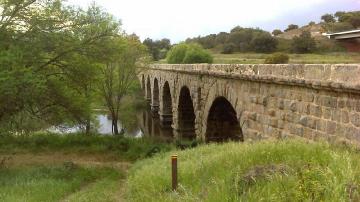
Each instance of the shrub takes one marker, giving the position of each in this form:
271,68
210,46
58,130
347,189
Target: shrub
303,43
277,58
177,53
188,54
228,48
263,43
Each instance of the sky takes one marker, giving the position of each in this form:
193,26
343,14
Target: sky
180,19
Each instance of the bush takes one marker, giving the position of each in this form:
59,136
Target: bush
188,54
303,43
277,58
263,43
228,48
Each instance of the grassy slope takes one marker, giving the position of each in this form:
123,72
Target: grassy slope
265,171
256,58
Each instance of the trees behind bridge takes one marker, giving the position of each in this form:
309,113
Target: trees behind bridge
51,61
188,54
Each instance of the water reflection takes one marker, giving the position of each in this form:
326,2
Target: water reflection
146,125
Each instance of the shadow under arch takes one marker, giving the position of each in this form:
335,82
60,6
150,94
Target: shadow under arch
186,114
166,116
222,122
148,89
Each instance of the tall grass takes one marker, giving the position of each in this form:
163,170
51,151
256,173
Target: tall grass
122,147
51,183
290,170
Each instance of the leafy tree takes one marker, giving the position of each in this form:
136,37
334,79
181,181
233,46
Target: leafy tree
228,48
119,74
291,27
188,54
263,43
158,48
311,23
46,55
328,18
196,54
276,32
303,43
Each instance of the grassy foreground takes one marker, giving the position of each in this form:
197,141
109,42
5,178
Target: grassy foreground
291,170
74,167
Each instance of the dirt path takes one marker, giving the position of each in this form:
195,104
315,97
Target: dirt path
113,190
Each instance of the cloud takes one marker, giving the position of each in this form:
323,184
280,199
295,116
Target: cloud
178,20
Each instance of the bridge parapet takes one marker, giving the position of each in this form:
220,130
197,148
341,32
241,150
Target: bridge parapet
338,77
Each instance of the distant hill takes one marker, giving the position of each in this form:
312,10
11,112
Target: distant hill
316,31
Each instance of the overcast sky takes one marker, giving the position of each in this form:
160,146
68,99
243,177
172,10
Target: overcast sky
180,19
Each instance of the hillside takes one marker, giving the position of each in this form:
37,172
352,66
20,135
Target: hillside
316,31
264,171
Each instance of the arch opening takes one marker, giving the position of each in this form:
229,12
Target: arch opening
186,115
222,122
148,90
166,116
155,100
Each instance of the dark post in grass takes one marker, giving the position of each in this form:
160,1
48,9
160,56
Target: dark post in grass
174,171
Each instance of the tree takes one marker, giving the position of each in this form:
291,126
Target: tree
303,43
158,48
119,74
276,32
188,54
291,27
42,76
328,18
263,43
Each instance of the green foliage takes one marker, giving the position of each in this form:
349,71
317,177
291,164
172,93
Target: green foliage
328,18
276,32
196,54
303,43
342,21
158,48
292,170
277,58
291,27
188,54
228,48
263,43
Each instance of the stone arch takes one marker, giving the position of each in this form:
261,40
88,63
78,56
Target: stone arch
166,108
156,97
148,89
186,114
222,123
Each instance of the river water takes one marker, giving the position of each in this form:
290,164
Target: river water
143,124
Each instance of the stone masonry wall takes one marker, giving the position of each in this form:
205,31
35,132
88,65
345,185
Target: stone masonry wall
311,101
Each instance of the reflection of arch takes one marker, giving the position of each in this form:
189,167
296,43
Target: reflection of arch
222,122
166,116
148,89
186,115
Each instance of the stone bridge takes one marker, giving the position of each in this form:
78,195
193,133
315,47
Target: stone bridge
247,102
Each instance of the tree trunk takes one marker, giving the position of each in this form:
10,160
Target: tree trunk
115,126
87,127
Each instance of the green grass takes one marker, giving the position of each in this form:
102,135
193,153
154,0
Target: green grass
53,183
117,146
257,58
292,170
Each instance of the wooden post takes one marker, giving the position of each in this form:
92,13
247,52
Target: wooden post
174,172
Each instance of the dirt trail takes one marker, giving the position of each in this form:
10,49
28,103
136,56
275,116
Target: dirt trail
86,160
